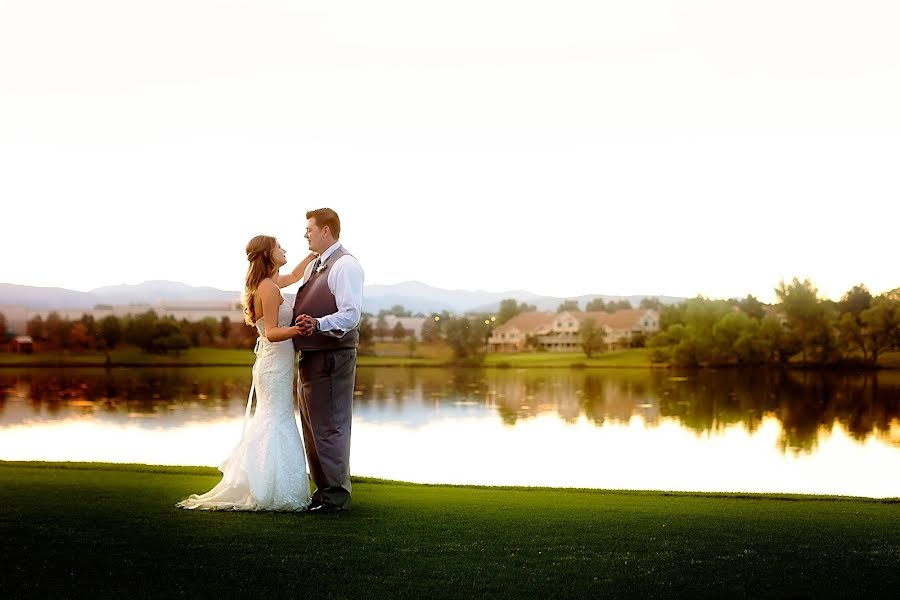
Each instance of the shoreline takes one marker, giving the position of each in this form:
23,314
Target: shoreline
363,479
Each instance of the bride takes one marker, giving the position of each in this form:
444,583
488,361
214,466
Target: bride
267,469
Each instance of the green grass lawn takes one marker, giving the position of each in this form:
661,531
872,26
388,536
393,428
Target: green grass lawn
102,530
638,357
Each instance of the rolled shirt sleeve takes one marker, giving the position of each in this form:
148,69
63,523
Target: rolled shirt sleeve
345,281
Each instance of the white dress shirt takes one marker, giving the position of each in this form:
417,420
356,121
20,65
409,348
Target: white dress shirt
345,282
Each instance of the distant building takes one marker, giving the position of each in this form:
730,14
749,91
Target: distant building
192,312
21,343
559,332
411,325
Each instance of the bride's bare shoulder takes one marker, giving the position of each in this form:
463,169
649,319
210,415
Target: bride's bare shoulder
267,286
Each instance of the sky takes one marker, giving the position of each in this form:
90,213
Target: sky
564,148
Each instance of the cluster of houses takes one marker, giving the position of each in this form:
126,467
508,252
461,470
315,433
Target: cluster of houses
560,332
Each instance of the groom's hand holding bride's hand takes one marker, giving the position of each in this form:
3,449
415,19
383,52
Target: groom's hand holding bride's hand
306,323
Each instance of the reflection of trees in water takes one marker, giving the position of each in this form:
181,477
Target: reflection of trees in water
804,401
131,391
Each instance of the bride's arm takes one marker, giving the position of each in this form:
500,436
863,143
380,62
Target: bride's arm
297,273
271,300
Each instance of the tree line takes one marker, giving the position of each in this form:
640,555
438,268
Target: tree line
147,331
802,327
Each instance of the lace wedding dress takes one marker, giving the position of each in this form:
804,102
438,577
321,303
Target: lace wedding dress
267,469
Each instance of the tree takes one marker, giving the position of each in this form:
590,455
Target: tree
142,331
592,336
881,324
225,328
431,329
649,303
35,328
110,331
381,327
570,305
805,314
467,338
855,301
411,345
599,305
752,307
399,331
509,308
400,311
57,330
596,305
4,328
366,335
79,337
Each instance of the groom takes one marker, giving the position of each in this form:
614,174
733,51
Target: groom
327,310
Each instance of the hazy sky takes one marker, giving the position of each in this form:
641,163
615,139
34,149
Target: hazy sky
642,147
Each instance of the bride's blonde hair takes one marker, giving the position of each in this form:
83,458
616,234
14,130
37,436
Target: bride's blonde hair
262,265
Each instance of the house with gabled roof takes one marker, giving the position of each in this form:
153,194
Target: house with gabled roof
560,332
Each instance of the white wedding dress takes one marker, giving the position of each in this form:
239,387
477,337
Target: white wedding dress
267,469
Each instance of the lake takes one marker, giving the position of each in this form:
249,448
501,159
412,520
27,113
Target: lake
720,431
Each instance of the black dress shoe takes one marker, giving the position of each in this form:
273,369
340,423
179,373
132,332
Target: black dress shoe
325,508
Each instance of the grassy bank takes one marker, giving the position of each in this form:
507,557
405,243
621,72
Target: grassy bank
386,355
107,530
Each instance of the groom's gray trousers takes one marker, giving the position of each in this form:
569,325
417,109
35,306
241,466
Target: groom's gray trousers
326,381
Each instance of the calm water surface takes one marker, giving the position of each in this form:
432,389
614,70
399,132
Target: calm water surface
712,431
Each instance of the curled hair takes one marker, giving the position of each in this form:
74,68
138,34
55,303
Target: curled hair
262,265
326,216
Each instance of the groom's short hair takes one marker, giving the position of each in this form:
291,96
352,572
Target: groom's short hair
326,216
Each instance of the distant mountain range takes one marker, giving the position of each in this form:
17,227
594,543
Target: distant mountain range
412,295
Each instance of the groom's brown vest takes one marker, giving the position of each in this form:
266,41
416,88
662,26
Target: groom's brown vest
316,300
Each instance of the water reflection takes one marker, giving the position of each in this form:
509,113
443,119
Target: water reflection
727,431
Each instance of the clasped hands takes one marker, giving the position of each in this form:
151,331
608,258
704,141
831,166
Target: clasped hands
306,323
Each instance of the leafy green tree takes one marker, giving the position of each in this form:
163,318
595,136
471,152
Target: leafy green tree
775,341
225,328
399,332
467,338
173,342
568,305
805,314
35,328
110,333
752,307
431,329
651,303
366,335
57,330
617,305
509,308
882,326
142,331
855,301
400,311
592,337
596,305
381,327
